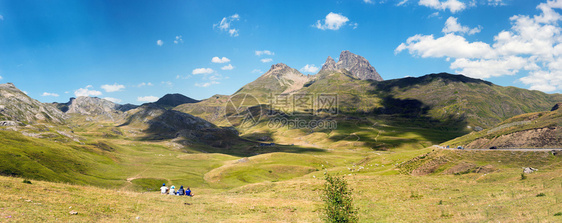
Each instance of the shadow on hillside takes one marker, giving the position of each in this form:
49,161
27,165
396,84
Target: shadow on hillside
198,135
388,85
395,119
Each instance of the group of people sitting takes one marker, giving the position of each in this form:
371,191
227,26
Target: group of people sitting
172,191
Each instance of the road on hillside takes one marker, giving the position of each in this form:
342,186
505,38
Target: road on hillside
507,149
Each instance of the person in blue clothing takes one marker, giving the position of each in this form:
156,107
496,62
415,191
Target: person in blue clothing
188,192
181,191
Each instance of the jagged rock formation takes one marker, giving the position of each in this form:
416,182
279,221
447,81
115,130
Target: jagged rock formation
355,64
95,108
16,106
173,100
330,64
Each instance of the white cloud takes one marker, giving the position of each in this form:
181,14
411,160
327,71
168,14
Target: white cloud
227,67
178,39
113,87
257,71
402,2
0,77
310,68
496,2
147,99
532,47
266,60
485,68
368,1
114,100
167,84
333,21
220,60
451,5
87,92
159,42
1,17
202,71
226,25
49,94
435,14
449,45
144,84
206,84
264,52
452,26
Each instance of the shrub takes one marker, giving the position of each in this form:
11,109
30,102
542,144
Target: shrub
338,201
523,176
541,195
26,182
558,214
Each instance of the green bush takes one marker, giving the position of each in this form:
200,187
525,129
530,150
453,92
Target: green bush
338,201
26,181
558,214
541,195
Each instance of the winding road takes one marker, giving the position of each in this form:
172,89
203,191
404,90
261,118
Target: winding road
508,149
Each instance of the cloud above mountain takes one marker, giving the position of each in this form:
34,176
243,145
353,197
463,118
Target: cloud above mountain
220,60
225,25
147,99
532,45
113,87
202,71
333,21
87,91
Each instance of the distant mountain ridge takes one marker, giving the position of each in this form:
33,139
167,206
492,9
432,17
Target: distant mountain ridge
17,107
355,64
173,100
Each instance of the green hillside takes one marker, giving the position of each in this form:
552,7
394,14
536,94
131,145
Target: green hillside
531,130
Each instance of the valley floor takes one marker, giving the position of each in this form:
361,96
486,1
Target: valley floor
380,193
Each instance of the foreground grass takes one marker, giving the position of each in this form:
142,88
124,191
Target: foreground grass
494,197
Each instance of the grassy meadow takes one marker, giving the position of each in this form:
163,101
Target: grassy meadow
112,174
380,193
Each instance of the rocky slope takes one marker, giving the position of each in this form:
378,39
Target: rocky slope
355,64
531,130
280,79
17,108
95,108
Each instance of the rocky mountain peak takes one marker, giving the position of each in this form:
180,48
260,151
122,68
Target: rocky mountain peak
279,66
95,108
358,66
8,86
355,64
16,106
330,64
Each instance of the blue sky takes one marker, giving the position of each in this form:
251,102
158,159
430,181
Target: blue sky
137,51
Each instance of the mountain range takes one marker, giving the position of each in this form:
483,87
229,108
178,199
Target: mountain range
371,113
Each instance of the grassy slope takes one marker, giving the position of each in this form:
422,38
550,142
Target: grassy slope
380,194
520,123
481,103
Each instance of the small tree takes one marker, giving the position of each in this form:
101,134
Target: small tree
338,201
